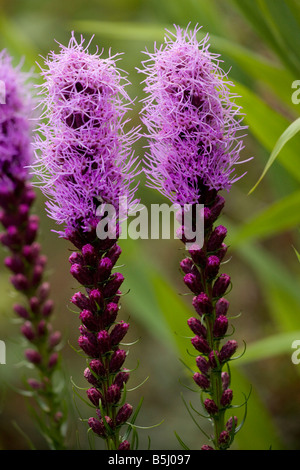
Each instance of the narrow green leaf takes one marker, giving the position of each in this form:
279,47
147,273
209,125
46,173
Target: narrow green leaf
288,134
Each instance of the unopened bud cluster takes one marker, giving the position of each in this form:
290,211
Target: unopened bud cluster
210,325
100,332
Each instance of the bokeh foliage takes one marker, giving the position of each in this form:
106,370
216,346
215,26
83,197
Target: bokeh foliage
259,42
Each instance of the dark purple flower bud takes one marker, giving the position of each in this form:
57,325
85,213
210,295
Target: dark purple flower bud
201,344
80,300
89,254
202,304
117,360
76,258
221,285
220,326
125,445
222,252
21,311
28,331
217,237
110,313
43,291
81,274
202,381
35,384
47,308
217,207
198,256
124,414
34,304
53,360
97,427
187,265
118,333
113,285
97,367
37,274
11,238
94,396
197,327
14,263
33,356
222,306
104,341
227,396
90,377
31,252
96,299
31,231
214,359
202,364
228,350
193,283
90,320
54,339
206,447
225,380
88,344
207,217
212,267
224,439
29,197
113,394
114,254
210,407
20,282
231,422
121,379
104,269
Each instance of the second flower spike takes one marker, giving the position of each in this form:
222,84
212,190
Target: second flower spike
85,164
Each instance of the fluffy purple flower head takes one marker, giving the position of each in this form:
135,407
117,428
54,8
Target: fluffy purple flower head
15,110
83,154
192,121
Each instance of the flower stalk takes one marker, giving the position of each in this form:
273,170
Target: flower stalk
194,144
86,167
25,259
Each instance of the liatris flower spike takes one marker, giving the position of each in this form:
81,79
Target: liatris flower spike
85,164
194,144
25,260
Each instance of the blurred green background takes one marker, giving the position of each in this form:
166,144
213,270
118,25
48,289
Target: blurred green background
259,42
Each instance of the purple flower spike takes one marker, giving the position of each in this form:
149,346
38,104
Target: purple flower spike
86,167
191,119
25,261
83,146
194,130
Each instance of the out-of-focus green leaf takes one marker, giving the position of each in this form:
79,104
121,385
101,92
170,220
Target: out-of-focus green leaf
267,125
273,30
269,347
122,30
279,287
16,42
281,216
